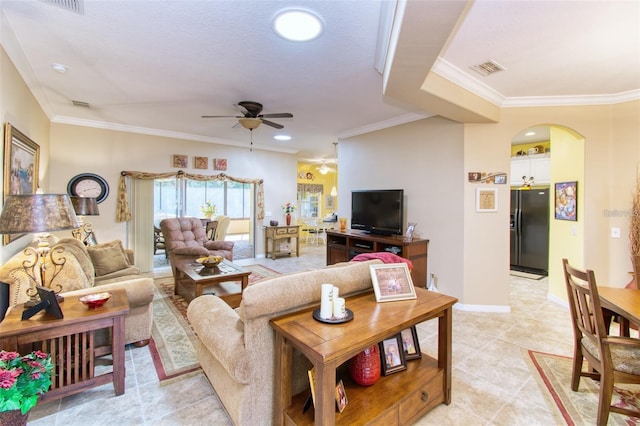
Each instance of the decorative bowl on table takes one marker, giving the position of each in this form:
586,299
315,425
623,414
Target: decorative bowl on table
210,261
95,300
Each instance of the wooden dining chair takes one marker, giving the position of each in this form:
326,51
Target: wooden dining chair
610,359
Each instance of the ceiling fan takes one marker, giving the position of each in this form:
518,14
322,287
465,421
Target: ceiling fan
251,117
324,168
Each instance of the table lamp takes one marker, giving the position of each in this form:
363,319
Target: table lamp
84,206
40,214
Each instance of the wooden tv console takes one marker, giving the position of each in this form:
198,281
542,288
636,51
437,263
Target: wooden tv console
398,399
344,246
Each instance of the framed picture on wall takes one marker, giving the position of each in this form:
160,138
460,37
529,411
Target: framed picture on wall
486,200
21,167
566,201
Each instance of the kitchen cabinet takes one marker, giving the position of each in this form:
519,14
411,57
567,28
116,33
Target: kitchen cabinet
538,166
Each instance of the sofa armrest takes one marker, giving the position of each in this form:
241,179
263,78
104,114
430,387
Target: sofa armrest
139,291
219,245
221,331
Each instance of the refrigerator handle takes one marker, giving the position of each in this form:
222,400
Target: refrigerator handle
519,222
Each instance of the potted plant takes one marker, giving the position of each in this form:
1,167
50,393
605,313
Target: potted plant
288,208
22,380
208,209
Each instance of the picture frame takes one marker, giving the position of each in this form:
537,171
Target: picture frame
392,282
341,397
201,162
408,236
21,167
392,356
410,343
486,200
566,201
220,164
180,161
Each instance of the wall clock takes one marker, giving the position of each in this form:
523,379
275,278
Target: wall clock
88,185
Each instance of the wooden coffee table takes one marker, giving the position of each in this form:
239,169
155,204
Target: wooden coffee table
71,342
192,278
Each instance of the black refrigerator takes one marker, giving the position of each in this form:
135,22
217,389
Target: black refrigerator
529,230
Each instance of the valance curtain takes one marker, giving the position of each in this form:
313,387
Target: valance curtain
313,188
123,212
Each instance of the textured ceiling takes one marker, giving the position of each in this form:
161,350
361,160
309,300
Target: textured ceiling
157,66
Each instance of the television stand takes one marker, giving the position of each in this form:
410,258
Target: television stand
344,246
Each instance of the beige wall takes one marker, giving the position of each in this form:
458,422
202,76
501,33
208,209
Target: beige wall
19,107
425,159
77,149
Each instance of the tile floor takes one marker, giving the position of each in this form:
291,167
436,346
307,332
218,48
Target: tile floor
491,382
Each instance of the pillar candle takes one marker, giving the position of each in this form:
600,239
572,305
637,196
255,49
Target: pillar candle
339,309
334,295
326,305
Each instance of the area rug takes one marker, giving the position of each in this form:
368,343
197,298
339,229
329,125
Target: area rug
173,341
553,374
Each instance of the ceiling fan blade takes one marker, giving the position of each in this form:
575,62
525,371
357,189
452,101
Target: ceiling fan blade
221,116
277,115
272,124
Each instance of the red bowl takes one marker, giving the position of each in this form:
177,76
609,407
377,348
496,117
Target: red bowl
95,300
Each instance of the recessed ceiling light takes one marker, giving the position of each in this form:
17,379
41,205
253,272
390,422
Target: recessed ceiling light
530,133
282,137
297,25
59,68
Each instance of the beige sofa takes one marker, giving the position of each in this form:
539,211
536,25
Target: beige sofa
86,270
236,348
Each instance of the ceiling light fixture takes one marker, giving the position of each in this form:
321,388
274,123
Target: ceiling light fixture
282,137
250,123
323,169
530,134
59,68
298,25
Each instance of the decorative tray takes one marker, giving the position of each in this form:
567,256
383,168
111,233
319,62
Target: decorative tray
317,317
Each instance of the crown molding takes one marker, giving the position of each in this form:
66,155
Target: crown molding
455,75
396,121
163,133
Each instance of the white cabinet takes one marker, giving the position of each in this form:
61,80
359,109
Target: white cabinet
538,166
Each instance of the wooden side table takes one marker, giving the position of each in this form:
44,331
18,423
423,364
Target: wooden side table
71,342
399,398
275,233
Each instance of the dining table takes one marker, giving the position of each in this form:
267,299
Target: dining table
624,302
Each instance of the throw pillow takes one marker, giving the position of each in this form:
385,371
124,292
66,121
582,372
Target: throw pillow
108,257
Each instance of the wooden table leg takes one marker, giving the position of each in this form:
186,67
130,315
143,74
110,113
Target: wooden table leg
445,323
282,388
118,355
325,394
198,290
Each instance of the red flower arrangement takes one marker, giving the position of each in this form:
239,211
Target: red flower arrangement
23,379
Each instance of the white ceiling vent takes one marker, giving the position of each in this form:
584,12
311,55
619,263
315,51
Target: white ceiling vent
81,104
488,68
76,6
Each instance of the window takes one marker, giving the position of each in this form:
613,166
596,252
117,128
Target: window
183,197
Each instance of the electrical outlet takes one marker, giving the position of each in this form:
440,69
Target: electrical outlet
615,232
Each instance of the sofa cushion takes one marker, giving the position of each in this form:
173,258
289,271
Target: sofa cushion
108,257
76,248
191,251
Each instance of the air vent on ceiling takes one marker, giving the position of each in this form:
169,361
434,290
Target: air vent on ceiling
488,68
76,6
81,104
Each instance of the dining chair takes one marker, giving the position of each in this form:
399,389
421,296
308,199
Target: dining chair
610,359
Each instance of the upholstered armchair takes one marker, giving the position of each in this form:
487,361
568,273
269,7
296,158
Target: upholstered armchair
222,228
186,237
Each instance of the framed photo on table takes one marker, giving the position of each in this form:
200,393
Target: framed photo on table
392,281
410,344
21,167
392,355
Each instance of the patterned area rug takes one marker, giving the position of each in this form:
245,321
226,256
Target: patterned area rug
173,342
553,374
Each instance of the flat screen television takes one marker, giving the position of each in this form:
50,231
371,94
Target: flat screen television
377,211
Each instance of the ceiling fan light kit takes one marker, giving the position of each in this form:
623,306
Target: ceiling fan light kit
249,122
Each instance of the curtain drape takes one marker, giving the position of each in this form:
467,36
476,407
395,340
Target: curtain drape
313,188
123,212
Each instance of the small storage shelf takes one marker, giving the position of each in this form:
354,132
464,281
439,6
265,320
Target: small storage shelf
344,246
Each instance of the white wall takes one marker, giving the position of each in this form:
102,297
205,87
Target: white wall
425,158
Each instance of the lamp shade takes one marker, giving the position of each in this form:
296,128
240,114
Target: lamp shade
37,213
250,123
85,206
